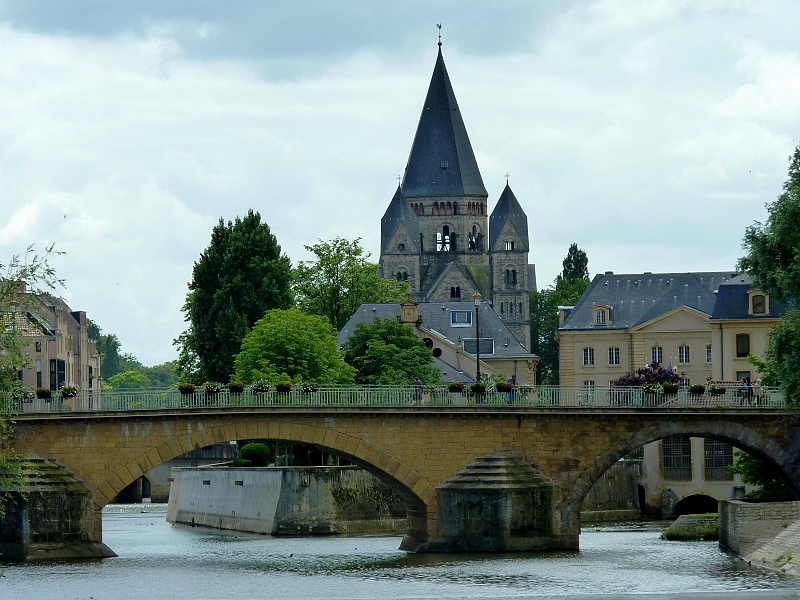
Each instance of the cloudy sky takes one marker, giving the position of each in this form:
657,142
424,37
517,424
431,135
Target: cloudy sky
651,133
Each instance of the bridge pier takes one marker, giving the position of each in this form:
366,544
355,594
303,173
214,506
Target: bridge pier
51,517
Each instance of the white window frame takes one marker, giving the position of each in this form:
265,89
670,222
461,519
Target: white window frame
588,357
613,356
454,316
657,354
684,355
709,354
600,316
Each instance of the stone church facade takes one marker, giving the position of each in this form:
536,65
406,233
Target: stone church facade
437,233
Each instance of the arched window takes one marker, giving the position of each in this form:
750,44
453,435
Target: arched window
455,208
510,309
511,277
502,305
449,209
455,293
443,239
520,309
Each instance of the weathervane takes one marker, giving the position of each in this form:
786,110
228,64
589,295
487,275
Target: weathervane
439,25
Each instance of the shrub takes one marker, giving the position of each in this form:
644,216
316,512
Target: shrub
257,453
212,387
456,386
186,389
43,393
242,462
261,386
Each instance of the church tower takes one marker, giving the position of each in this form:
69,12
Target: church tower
436,233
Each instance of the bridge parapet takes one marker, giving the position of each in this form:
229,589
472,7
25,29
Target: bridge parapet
533,398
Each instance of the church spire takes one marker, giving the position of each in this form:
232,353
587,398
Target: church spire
441,162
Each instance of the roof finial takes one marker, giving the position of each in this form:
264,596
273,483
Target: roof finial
439,25
506,177
399,177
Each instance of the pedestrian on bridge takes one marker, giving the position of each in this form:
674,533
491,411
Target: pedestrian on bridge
417,391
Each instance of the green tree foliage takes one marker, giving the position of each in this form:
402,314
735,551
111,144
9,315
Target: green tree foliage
289,344
240,276
773,262
129,380
576,265
565,291
108,345
757,472
258,454
33,272
341,279
386,352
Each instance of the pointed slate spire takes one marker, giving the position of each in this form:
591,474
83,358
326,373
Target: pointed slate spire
398,212
441,162
508,209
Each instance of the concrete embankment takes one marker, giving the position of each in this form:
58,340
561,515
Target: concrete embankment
285,500
765,534
614,497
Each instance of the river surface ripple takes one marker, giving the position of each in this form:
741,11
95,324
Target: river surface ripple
159,560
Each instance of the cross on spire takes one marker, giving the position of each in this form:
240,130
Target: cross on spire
399,177
506,178
439,25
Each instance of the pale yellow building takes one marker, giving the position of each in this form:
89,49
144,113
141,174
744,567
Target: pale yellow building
58,346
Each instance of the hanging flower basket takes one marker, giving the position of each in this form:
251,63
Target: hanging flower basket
44,393
212,387
187,389
236,387
284,387
69,392
261,386
455,387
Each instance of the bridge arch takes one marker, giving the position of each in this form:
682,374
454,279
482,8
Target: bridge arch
731,432
391,470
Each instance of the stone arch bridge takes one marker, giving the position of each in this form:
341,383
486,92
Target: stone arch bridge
414,449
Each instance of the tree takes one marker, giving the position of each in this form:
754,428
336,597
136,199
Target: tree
565,291
31,272
576,265
386,352
108,345
757,472
289,344
129,380
773,262
340,280
240,276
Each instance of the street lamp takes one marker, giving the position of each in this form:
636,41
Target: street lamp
477,298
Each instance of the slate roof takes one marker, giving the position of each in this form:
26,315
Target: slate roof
441,162
436,317
508,209
399,211
734,303
637,298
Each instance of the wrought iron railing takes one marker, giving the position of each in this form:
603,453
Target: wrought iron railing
401,396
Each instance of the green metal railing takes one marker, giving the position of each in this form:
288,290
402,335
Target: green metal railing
399,396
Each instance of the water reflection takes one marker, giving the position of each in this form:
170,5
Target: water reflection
172,561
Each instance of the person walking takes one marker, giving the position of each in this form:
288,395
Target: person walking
417,391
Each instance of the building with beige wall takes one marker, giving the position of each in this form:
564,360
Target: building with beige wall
704,324
58,346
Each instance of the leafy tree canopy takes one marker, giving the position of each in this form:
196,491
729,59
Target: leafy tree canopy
340,279
544,315
576,265
760,473
289,344
129,380
240,276
386,352
773,262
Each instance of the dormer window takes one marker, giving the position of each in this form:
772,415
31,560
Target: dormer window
758,303
601,315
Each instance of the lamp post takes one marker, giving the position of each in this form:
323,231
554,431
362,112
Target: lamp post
477,298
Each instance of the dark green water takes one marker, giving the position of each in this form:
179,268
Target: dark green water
159,560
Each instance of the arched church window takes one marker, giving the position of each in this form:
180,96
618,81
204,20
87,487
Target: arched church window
510,309
455,293
520,308
455,208
443,239
449,209
502,309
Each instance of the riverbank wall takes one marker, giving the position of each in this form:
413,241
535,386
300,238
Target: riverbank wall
615,495
765,534
285,500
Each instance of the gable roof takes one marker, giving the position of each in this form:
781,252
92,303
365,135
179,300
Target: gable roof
733,301
398,212
637,298
508,209
441,162
443,273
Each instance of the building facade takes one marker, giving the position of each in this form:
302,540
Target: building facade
704,324
57,339
437,233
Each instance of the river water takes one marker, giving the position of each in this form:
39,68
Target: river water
159,560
